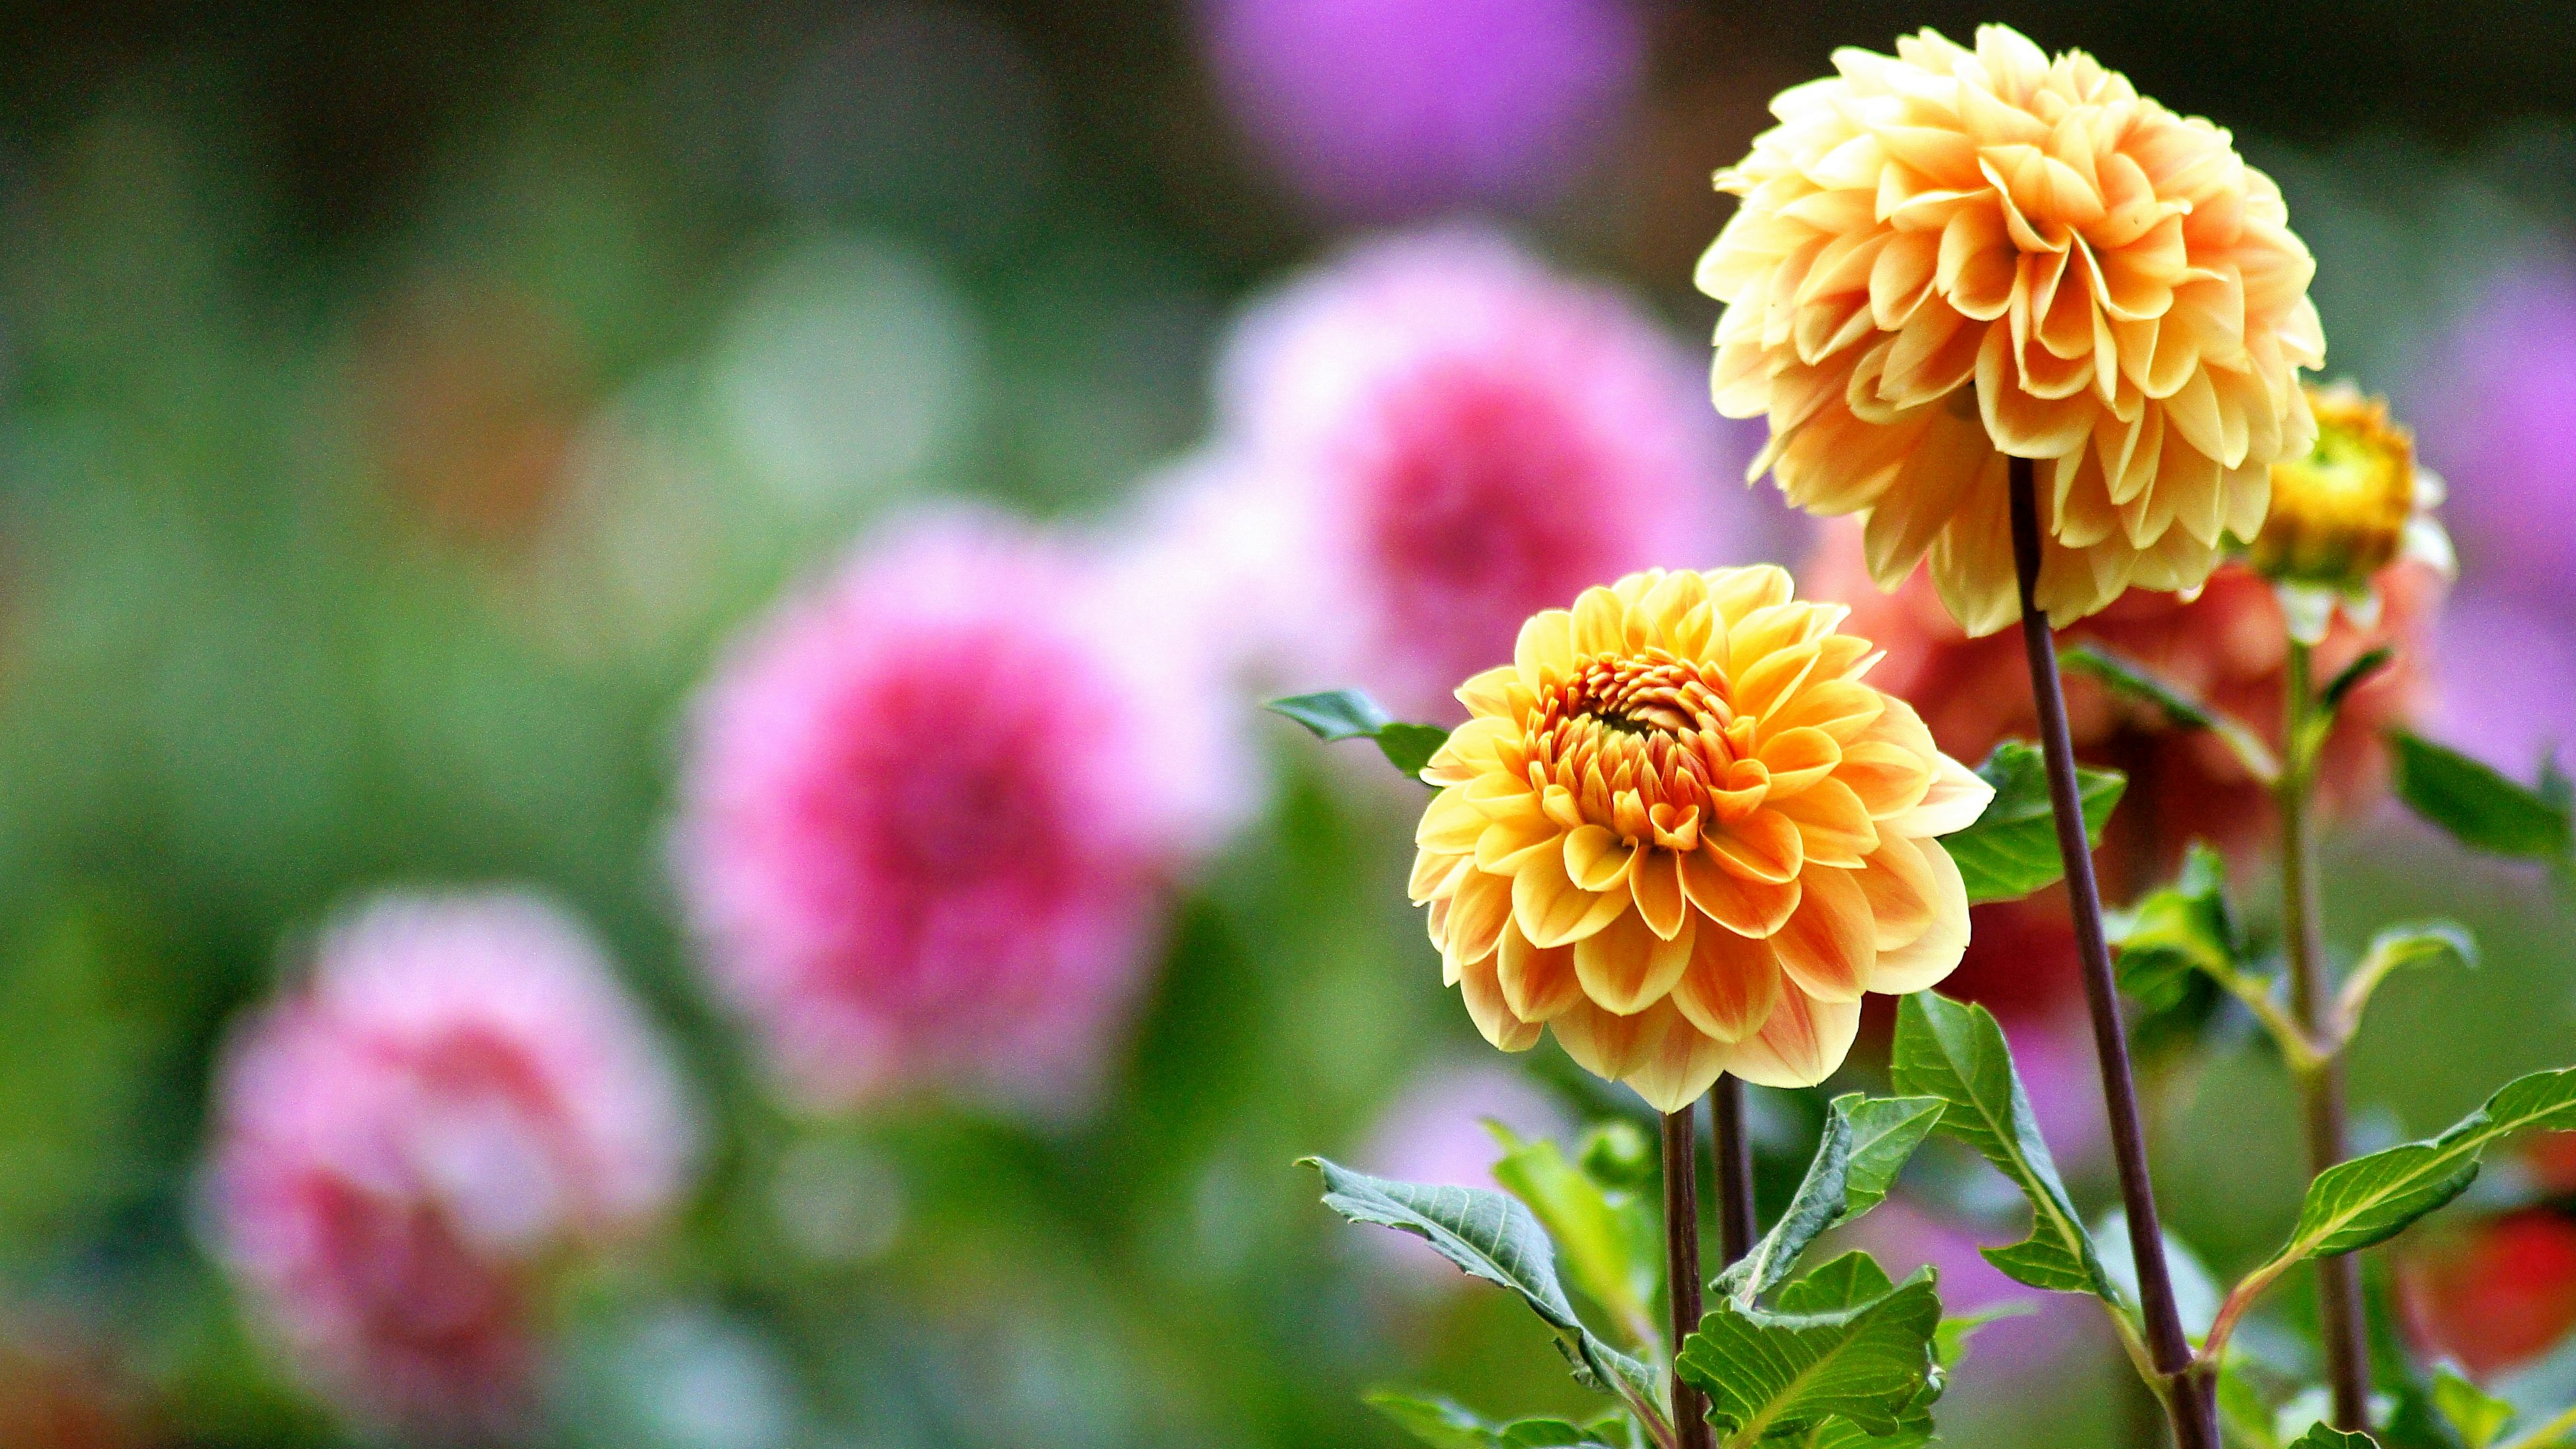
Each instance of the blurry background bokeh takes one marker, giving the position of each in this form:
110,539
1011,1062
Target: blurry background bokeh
405,408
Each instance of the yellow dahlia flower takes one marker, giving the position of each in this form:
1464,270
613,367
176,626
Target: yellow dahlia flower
1950,255
2348,507
1680,830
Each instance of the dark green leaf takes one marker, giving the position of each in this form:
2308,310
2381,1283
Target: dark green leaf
2479,807
1445,1424
2174,932
1956,1053
2371,1199
1347,714
1866,1143
1610,1250
2352,676
1771,1374
2011,850
2322,1437
1490,1236
1847,1282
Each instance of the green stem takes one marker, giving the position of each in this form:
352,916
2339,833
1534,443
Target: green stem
2339,1301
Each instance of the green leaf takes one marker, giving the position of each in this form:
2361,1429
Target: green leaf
2477,1416
1769,1375
2479,807
2126,676
2394,949
1491,1236
1446,1424
2322,1437
1950,1341
1347,714
2371,1199
1866,1143
2174,932
2243,1411
1609,1249
2011,849
1957,1053
2353,675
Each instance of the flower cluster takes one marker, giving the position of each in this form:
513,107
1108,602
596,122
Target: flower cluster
1951,255
1679,829
458,1096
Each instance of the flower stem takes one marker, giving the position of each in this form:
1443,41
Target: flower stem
1737,1222
1681,1263
2339,1304
2186,1394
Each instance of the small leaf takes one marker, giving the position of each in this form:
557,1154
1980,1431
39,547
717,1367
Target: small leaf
1957,1053
2477,1416
2011,849
1609,1249
2480,807
1445,1424
1866,1143
2394,949
1347,714
2371,1199
2322,1437
2128,677
1491,1236
2174,932
1769,1374
2354,675
1951,1340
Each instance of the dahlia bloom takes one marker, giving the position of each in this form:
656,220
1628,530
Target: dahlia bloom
1681,831
1949,256
2228,646
1402,107
2345,510
458,1096
1440,437
931,810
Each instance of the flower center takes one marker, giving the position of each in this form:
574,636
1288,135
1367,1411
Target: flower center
1646,746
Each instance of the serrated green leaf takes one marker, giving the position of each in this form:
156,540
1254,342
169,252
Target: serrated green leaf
2322,1437
2479,806
1489,1235
2394,949
1847,1282
1769,1376
1610,1250
2371,1199
1957,1053
2477,1416
1347,714
2011,850
1446,1424
2177,931
1866,1143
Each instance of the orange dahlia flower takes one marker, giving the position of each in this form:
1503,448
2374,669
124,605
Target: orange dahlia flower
1951,255
1679,829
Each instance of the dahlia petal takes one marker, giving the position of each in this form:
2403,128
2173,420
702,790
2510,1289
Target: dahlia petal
1903,893
1745,906
1829,945
1834,828
1800,756
1682,1067
1505,847
1597,860
1731,985
1656,884
1600,624
1552,910
1608,1045
1625,967
1889,780
1538,983
1451,824
1803,1042
1545,649
1762,846
1489,694
1477,910
1953,803
1928,959
1482,988
1739,592
1434,875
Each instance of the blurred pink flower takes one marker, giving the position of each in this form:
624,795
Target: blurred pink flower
1434,1132
459,1095
2499,421
932,808
1436,436
1390,108
2508,690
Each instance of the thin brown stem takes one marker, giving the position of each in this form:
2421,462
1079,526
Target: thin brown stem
1737,1220
2339,1303
1681,1264
2188,1400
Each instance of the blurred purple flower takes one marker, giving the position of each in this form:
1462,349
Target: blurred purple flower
931,809
1382,109
2508,683
460,1095
2499,423
1435,436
